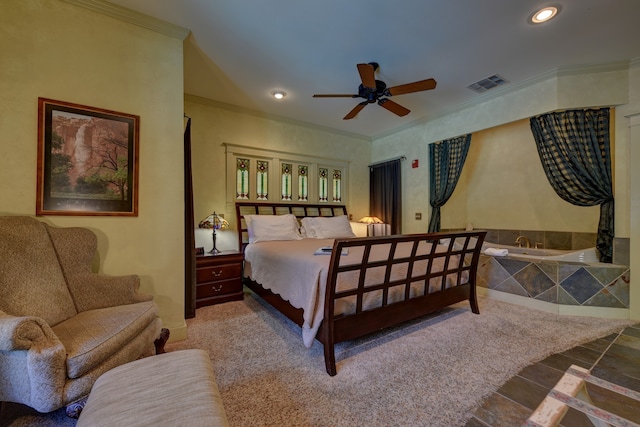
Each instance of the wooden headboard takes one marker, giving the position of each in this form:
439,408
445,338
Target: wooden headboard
299,210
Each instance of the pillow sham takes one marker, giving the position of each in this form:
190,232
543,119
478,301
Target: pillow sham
262,228
332,227
306,228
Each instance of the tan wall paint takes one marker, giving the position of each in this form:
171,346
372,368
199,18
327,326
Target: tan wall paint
57,50
603,86
500,122
213,125
64,52
628,130
504,186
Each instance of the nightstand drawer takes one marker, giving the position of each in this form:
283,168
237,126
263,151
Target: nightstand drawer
218,288
219,278
218,272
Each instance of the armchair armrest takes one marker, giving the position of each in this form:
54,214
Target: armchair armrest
30,341
24,333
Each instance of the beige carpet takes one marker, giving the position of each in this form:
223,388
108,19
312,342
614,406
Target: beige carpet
431,372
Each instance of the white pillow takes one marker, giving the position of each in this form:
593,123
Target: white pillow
333,227
306,228
263,228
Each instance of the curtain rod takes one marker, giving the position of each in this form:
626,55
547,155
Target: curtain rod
388,160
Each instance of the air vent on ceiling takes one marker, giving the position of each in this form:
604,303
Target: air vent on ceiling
488,83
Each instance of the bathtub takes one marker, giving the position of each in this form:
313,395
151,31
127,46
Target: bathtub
570,282
587,256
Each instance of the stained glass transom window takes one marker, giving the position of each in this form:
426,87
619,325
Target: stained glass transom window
323,185
255,174
287,176
337,185
303,183
242,179
262,180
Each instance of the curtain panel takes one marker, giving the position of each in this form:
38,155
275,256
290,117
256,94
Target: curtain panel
385,193
574,149
446,159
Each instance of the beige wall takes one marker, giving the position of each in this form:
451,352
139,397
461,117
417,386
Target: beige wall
505,186
58,50
214,124
628,155
489,120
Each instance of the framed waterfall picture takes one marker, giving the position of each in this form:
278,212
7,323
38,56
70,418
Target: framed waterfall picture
87,160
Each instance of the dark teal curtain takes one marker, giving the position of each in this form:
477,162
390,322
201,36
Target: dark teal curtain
385,193
446,159
575,152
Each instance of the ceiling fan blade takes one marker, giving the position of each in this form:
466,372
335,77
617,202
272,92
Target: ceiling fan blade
412,87
367,75
394,107
355,111
335,95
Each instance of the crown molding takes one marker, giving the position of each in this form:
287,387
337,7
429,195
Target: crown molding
133,17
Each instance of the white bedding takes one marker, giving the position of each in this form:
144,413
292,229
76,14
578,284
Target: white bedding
291,270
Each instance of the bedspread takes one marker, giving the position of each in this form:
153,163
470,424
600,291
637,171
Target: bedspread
291,270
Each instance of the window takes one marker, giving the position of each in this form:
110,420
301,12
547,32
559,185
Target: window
262,180
242,179
262,175
323,191
286,177
303,183
337,185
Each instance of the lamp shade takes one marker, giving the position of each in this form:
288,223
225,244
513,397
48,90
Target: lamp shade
370,220
214,221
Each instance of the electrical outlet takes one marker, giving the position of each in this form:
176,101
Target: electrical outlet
418,215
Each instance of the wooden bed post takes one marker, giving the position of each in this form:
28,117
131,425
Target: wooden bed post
330,357
327,330
473,300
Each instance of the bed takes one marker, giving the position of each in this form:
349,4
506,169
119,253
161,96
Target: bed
304,261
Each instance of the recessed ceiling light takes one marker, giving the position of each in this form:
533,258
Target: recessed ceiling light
278,94
545,14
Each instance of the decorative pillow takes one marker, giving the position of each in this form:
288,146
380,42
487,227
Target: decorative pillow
263,228
334,227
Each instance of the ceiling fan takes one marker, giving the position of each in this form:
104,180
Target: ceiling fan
373,90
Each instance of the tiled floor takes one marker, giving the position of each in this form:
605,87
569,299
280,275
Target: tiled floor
615,358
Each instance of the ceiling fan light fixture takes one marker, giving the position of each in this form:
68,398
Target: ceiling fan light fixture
544,14
278,94
372,91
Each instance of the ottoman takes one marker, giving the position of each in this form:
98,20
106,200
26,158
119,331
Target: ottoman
171,389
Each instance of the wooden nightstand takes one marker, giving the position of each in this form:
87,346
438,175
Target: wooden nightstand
218,278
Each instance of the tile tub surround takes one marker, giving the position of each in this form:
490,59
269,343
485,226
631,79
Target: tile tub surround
564,283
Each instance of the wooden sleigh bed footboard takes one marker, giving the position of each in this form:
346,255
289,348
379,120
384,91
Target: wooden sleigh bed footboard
395,279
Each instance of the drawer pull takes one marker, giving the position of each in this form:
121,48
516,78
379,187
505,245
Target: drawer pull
216,288
218,274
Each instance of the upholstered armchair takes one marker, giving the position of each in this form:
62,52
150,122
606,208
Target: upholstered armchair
61,325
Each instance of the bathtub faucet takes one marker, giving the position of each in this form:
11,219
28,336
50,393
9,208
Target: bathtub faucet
526,240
